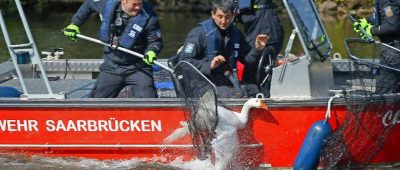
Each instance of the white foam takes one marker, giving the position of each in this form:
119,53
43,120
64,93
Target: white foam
225,145
193,165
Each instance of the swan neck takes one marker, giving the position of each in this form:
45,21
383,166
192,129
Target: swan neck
245,109
245,113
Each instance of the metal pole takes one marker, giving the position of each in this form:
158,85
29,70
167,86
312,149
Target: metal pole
35,58
12,54
287,52
121,49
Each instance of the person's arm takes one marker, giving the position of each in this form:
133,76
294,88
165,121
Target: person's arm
86,9
194,50
370,18
247,53
390,23
80,17
154,39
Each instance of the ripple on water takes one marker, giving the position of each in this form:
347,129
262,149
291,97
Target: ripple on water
12,162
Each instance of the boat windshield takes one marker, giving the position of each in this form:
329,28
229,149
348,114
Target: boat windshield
306,20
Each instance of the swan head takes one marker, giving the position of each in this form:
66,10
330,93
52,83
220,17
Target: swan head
256,103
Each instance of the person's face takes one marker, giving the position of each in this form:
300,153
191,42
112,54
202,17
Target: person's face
222,19
131,7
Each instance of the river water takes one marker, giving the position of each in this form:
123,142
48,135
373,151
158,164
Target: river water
12,162
47,33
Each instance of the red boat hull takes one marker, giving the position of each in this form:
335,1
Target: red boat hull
271,137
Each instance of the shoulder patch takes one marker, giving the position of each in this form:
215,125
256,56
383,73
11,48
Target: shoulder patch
388,11
189,48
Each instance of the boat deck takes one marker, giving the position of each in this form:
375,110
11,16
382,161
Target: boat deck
79,80
71,88
76,77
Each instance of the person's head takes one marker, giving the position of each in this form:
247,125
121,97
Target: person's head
222,13
131,7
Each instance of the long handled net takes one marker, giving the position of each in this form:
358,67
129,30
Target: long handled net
364,131
199,95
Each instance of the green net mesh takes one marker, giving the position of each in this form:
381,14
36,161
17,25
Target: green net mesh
363,132
200,99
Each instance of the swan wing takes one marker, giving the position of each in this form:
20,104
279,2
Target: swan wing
177,134
228,117
206,115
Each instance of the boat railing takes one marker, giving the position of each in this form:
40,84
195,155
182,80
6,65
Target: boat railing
24,54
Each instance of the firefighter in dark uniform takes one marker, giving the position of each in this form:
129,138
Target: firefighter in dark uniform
131,24
215,45
385,24
260,17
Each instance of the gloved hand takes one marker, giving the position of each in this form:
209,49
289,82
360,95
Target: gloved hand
71,30
149,57
363,24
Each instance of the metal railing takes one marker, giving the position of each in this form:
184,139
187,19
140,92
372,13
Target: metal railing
33,53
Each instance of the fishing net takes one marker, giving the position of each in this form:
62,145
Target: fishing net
363,133
200,99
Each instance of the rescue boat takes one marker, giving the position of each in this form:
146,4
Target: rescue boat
56,119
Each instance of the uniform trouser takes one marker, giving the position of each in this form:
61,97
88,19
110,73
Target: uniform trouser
108,85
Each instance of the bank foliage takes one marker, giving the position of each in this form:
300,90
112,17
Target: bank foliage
42,6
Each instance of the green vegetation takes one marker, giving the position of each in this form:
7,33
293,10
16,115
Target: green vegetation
41,6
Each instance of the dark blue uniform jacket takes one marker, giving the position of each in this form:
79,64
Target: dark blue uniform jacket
386,21
195,52
117,62
261,18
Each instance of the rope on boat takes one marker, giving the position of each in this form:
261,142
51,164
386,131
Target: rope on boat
328,109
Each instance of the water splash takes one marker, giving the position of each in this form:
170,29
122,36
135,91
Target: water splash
193,165
225,146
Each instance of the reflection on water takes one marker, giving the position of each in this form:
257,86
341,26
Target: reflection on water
174,28
47,33
13,162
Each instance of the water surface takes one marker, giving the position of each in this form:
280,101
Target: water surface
174,27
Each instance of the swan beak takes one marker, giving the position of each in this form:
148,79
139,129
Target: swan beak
263,105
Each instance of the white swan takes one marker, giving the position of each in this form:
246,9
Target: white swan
225,144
